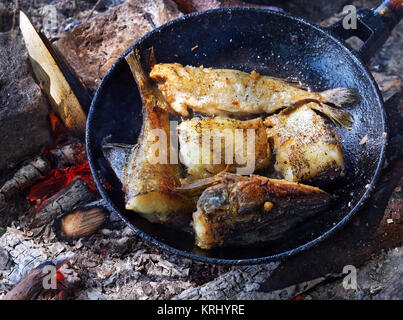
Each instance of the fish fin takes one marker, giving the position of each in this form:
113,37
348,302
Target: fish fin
196,187
144,83
117,155
341,97
133,59
151,60
294,83
336,115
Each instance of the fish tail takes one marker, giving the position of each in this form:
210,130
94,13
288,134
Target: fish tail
336,115
340,97
150,94
133,59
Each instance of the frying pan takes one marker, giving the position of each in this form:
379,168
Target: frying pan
272,43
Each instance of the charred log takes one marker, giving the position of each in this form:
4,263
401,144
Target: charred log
81,222
66,200
67,155
25,177
30,287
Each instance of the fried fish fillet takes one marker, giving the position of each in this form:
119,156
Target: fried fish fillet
208,145
149,184
244,210
305,148
232,92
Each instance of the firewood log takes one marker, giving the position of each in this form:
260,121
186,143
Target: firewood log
23,178
32,285
81,222
76,194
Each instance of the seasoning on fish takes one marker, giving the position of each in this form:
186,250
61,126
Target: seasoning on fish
208,145
149,184
305,148
243,210
232,92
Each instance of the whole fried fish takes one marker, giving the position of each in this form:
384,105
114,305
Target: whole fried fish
150,184
232,92
208,145
305,148
244,210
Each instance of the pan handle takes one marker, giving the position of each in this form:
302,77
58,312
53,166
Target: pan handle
373,27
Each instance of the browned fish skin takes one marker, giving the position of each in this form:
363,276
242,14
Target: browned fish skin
150,187
243,210
305,148
232,92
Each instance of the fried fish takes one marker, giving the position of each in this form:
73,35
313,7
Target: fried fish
242,210
208,145
149,183
232,92
304,146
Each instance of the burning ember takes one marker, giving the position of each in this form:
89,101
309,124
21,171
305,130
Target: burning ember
60,133
59,178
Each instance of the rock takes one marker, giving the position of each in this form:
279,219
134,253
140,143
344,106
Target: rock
24,126
5,18
52,19
93,46
5,262
189,6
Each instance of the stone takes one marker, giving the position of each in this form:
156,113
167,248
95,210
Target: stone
93,46
5,261
5,18
51,21
24,122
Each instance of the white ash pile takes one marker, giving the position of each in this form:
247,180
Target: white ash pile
110,264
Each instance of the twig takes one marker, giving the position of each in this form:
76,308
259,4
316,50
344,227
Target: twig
17,8
149,19
92,10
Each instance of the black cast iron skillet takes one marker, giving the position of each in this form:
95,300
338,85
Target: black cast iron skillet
272,43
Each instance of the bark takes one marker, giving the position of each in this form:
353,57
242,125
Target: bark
29,288
77,193
236,284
